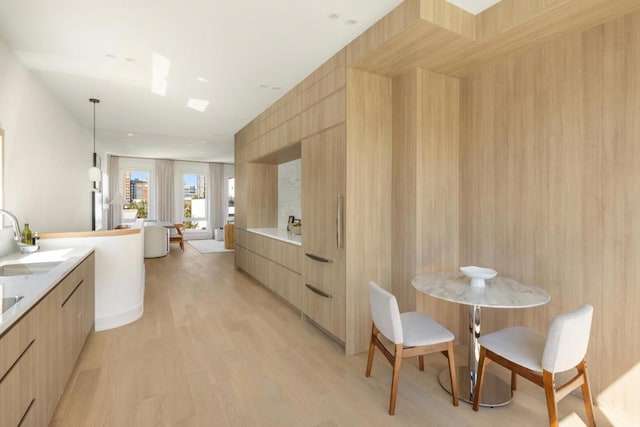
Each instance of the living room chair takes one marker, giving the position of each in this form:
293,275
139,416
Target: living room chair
536,358
179,236
412,333
156,241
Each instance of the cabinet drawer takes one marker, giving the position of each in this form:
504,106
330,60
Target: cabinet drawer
241,257
70,283
286,283
15,341
326,309
240,237
17,389
328,276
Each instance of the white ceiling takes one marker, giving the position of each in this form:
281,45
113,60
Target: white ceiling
251,52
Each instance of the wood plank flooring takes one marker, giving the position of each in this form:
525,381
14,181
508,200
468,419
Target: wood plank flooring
214,348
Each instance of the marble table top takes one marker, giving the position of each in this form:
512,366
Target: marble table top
499,292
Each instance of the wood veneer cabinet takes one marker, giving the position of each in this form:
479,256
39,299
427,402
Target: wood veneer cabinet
38,353
323,189
274,263
17,382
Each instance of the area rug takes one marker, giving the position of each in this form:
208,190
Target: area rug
209,246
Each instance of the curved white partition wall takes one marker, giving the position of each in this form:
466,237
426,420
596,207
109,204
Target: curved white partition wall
119,271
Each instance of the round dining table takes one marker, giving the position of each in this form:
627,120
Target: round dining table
499,292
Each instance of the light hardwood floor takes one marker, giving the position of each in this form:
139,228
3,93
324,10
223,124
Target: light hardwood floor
214,348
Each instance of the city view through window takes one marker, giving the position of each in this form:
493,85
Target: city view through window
135,189
195,202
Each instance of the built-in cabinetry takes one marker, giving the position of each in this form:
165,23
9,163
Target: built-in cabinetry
323,189
274,263
38,353
338,121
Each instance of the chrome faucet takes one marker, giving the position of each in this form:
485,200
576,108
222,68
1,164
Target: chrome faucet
17,235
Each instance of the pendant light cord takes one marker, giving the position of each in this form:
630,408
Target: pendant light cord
94,101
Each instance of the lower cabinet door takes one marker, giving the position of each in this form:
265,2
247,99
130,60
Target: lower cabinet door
326,309
72,329
17,389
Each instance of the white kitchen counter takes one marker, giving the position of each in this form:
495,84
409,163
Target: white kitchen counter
278,234
34,287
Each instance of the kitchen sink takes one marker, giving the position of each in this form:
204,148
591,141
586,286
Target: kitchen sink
9,302
24,269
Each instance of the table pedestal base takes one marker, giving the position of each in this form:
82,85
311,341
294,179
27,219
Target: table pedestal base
495,392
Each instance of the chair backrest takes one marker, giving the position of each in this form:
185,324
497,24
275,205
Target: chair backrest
385,313
567,340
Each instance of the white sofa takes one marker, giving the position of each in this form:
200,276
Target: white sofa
156,241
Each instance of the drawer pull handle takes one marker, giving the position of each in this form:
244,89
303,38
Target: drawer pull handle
317,291
317,258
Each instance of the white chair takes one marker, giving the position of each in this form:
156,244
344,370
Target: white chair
156,241
412,333
538,359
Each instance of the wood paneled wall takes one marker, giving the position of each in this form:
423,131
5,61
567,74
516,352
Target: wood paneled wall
426,123
368,199
550,149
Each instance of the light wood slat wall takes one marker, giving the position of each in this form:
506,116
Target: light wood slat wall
434,35
426,120
404,164
549,156
368,199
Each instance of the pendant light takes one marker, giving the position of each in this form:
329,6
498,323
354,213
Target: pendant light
95,174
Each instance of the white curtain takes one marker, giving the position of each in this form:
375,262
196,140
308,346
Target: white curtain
217,202
164,190
115,211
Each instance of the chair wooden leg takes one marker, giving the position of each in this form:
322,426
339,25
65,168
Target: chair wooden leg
586,394
372,348
480,378
421,362
548,383
397,361
453,377
514,381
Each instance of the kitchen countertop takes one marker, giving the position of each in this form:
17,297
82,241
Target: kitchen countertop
34,287
278,234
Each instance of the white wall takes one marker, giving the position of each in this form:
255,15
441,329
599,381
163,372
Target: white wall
47,153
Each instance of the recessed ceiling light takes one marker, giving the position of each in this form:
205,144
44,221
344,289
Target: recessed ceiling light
202,79
334,16
129,59
264,86
351,22
198,104
189,145
110,55
204,142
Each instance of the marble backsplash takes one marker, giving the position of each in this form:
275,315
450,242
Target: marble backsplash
289,191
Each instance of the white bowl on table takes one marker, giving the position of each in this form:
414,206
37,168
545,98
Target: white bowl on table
478,275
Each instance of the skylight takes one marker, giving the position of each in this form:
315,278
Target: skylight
198,104
160,66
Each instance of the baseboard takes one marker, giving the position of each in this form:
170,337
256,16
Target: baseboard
120,319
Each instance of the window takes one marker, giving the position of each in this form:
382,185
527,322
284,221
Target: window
195,202
231,190
135,190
